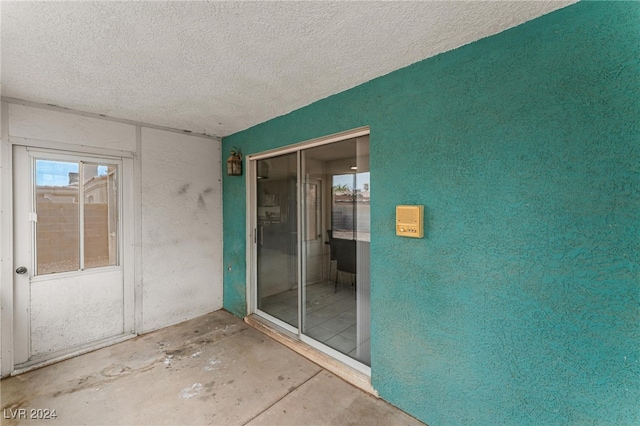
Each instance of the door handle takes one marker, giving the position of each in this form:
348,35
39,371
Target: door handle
21,270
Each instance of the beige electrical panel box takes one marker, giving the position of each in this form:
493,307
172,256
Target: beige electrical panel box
410,221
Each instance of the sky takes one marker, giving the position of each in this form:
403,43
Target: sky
56,173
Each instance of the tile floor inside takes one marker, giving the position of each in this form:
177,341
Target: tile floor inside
330,318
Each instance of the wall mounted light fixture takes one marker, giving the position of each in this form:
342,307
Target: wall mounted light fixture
234,163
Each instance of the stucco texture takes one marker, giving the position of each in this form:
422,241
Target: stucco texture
522,303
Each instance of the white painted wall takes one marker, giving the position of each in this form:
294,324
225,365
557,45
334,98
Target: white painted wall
67,128
181,227
6,252
178,234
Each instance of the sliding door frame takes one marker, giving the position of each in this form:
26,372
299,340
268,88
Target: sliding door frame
252,238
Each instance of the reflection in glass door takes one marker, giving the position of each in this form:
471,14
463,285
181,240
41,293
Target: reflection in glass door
277,238
336,308
312,244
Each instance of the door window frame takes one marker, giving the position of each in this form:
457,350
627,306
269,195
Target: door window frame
36,154
20,332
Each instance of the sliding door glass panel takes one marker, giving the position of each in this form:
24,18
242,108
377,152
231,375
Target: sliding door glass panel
334,311
277,237
57,207
100,189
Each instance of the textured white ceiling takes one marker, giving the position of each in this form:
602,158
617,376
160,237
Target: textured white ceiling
220,67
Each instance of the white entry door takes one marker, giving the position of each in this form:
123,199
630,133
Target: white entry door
71,289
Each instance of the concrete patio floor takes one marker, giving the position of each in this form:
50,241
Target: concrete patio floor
213,370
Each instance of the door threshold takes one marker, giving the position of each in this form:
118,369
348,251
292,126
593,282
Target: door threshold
345,372
44,360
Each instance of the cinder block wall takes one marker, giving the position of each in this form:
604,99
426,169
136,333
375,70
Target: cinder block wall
57,237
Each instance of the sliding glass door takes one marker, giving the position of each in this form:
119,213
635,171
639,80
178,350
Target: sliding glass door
312,233
277,237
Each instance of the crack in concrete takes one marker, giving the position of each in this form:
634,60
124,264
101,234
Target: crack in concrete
289,391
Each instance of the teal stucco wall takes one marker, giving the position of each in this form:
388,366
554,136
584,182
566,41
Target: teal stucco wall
522,303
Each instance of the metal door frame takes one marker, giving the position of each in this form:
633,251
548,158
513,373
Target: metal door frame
252,238
22,183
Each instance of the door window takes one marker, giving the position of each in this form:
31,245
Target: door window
77,215
277,239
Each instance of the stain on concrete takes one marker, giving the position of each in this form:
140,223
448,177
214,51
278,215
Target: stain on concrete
177,352
116,370
213,363
191,391
82,383
106,375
